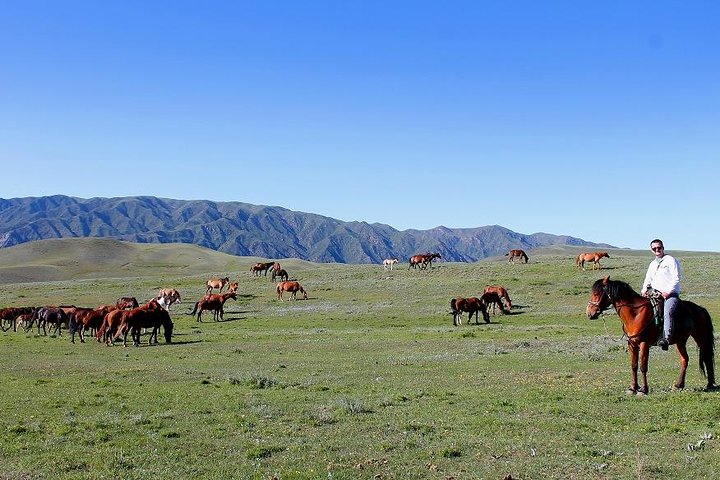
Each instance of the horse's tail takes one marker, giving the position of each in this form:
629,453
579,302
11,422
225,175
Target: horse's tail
706,343
194,309
453,305
507,254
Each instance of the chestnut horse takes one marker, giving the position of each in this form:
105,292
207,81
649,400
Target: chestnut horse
263,267
215,303
281,274
138,318
113,320
472,305
594,257
88,318
9,315
637,316
218,283
292,287
513,254
423,260
126,303
503,294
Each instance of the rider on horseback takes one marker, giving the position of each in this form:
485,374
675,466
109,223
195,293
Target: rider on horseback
663,276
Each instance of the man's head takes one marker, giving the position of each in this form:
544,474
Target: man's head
657,248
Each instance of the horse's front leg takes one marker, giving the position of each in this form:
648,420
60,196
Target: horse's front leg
682,352
633,350
644,360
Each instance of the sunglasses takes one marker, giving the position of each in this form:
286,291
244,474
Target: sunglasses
656,249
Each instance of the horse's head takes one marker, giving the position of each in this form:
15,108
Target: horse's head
599,299
167,326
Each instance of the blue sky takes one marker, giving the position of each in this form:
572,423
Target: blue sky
592,119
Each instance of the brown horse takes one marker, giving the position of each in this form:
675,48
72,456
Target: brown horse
472,305
263,267
53,316
213,302
587,257
637,316
281,274
292,287
422,260
492,298
126,303
113,320
233,287
9,316
138,318
513,254
503,294
167,297
83,319
214,283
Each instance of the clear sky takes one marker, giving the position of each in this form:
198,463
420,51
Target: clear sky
599,120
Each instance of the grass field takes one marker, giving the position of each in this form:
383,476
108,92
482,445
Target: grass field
367,378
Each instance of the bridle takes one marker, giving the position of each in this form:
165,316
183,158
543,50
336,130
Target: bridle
617,306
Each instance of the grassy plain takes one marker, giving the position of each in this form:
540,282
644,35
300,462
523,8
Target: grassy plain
366,379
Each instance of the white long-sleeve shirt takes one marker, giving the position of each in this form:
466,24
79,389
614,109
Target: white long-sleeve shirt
663,274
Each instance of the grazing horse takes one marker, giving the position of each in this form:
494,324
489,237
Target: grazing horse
138,318
472,305
263,267
233,287
9,315
594,257
637,316
513,254
281,274
503,294
492,298
49,315
88,318
114,319
292,287
389,262
126,303
167,297
423,260
218,283
215,303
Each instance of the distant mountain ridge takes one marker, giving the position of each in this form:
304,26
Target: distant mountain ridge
252,230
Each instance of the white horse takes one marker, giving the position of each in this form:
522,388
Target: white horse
168,296
389,262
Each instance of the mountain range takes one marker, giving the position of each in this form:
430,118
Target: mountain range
252,230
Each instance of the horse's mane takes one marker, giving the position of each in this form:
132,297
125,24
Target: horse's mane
615,289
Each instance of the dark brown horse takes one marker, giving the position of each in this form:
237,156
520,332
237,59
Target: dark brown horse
423,260
590,257
281,274
114,319
126,303
472,305
292,287
52,316
636,314
8,316
492,298
513,254
503,294
263,267
214,283
213,302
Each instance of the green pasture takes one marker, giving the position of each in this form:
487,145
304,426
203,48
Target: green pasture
366,379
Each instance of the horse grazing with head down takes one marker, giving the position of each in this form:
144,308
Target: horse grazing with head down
517,253
9,316
281,274
214,283
114,319
138,318
472,305
213,302
126,303
587,257
637,317
292,287
501,293
263,267
83,319
49,315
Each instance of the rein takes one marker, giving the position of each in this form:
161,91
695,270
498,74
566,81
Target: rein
617,305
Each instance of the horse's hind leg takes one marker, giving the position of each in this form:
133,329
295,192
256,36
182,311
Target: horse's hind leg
682,352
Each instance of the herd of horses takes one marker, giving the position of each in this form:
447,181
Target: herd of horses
637,315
